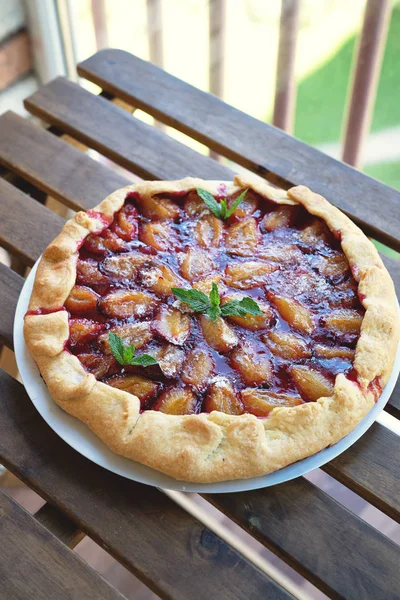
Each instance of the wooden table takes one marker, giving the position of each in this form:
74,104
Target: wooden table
164,546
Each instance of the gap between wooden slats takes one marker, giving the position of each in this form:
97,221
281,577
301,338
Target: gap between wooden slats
367,68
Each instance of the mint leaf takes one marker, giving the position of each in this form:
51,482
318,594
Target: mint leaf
241,308
214,312
223,209
214,296
210,201
220,210
235,204
125,355
144,360
196,299
118,348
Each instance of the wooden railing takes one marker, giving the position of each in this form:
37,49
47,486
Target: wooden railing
363,81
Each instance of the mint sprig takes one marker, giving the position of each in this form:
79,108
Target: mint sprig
125,355
220,209
211,305
241,308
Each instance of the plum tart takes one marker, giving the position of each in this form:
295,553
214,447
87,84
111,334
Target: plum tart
213,330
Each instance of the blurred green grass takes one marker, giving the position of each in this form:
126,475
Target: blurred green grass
322,96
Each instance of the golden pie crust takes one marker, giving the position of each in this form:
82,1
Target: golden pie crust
210,447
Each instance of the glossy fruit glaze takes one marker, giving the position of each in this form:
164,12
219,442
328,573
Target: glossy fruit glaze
283,257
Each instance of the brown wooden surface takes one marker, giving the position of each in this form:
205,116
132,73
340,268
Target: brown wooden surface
338,553
48,162
329,548
10,288
118,135
26,227
52,519
35,565
165,547
249,142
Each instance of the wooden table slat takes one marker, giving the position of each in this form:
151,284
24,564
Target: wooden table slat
136,146
165,547
10,287
251,143
26,227
53,166
35,565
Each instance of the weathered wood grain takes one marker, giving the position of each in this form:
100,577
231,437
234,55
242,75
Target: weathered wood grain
26,227
35,565
101,125
53,166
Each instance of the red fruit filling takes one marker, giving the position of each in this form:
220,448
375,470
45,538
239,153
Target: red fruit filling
285,259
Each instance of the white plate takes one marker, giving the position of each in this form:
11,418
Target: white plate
77,435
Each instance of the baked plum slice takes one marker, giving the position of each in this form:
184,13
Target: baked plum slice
81,300
294,312
195,263
312,384
156,209
83,330
248,321
247,275
159,278
208,231
159,235
104,243
284,216
97,364
218,334
170,360
138,334
125,224
124,266
260,402
142,387
122,304
88,273
177,401
171,324
253,367
222,396
242,238
287,345
198,367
